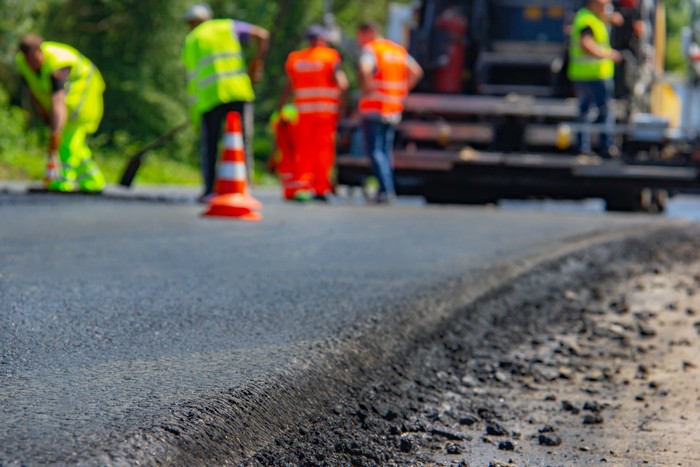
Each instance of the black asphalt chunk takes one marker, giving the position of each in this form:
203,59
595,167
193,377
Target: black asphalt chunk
549,439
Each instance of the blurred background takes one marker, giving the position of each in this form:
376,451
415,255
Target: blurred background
137,44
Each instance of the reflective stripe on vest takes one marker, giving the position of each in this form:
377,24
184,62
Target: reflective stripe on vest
84,85
390,82
216,70
312,75
206,61
582,66
317,107
311,93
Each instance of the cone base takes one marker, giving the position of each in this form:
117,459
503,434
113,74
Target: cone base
235,205
238,200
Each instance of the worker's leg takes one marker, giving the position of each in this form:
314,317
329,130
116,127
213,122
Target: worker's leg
284,136
324,159
583,93
78,170
377,136
304,155
212,123
389,135
248,120
90,178
602,93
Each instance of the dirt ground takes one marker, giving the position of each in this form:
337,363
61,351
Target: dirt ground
591,361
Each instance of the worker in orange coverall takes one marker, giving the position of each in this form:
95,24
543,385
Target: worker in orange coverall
318,84
284,125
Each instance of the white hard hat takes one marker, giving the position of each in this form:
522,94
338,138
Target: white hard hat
198,12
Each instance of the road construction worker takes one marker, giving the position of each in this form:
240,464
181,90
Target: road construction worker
66,92
592,68
218,81
284,124
318,84
625,37
386,74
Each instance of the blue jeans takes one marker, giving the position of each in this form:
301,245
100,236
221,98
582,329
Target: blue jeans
379,144
596,94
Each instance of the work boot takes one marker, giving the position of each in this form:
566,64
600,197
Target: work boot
206,198
92,186
62,186
385,198
90,178
303,196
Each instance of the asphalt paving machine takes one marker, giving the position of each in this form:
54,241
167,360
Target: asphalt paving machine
495,116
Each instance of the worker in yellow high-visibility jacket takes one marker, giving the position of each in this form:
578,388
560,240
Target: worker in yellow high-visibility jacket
218,81
66,91
592,69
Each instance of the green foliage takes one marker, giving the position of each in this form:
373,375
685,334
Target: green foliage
677,12
136,44
12,122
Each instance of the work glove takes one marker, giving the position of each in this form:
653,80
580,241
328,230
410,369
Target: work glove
54,143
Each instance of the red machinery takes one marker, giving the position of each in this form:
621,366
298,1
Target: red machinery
448,77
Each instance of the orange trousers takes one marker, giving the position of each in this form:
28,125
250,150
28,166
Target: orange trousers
285,138
315,152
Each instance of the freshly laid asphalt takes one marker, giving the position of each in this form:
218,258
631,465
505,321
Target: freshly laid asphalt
116,311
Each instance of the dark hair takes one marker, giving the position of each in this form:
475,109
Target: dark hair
29,43
368,26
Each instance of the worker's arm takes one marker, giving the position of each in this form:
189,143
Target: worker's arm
415,73
365,79
638,28
58,115
39,111
343,84
285,95
261,44
592,48
616,19
366,71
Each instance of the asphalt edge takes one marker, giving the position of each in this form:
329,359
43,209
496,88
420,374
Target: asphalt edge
232,426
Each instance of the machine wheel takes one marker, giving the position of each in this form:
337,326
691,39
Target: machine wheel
647,200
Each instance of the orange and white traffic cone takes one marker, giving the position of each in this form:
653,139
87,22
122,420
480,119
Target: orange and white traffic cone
53,170
233,198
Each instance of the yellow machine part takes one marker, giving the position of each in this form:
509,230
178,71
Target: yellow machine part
666,103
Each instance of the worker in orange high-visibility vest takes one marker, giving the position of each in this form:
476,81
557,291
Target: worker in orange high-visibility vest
318,84
386,73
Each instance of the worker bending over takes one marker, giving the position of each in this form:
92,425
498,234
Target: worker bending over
591,69
318,83
66,92
387,73
284,123
219,82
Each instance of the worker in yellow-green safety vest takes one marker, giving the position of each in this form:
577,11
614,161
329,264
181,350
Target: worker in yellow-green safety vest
218,81
592,69
66,92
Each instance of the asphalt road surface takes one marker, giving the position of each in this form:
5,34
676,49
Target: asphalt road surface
115,313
